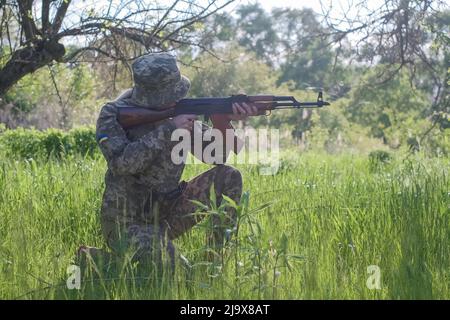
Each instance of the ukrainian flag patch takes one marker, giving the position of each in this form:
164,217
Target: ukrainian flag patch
102,138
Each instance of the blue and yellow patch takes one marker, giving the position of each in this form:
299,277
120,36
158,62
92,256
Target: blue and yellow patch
102,138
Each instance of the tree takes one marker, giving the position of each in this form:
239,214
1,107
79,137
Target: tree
307,57
410,35
291,40
61,96
384,109
241,73
34,34
256,31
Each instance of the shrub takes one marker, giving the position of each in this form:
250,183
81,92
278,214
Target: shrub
379,158
22,143
55,143
30,143
84,142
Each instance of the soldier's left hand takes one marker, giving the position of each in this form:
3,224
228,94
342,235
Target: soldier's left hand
243,110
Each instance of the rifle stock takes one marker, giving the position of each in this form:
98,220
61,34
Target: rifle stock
130,117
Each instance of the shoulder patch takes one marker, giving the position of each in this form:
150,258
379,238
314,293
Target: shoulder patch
102,138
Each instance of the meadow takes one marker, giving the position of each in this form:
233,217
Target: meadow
312,231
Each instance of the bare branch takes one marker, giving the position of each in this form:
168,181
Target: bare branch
73,55
45,14
163,18
26,19
202,15
60,15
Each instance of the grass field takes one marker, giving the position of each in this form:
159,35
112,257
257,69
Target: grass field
328,218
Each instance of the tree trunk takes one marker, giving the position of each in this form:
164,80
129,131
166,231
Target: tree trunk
28,60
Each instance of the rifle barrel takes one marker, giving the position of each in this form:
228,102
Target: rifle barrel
285,105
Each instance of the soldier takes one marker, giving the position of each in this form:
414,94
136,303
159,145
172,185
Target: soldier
145,205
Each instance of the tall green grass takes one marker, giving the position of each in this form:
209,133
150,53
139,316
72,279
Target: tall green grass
309,232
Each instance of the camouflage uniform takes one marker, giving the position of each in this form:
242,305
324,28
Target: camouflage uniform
144,202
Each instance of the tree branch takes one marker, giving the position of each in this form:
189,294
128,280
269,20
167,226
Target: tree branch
71,57
45,14
59,17
26,19
198,17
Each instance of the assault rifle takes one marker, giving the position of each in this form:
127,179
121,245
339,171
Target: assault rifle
213,108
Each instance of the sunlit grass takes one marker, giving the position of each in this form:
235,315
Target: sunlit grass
328,219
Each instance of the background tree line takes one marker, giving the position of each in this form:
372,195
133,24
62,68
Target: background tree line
385,69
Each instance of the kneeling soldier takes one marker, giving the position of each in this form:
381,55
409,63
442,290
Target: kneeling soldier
145,205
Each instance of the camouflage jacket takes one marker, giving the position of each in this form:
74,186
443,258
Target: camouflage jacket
139,163
141,154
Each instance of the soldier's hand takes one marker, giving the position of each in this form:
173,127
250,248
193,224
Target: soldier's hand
185,121
243,110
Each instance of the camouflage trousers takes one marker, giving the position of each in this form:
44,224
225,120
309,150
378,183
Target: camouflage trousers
173,217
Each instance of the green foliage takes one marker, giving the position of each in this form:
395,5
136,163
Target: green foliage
378,158
329,218
84,142
54,143
22,143
436,141
29,91
243,73
258,34
294,43
72,101
384,109
282,52
35,144
285,38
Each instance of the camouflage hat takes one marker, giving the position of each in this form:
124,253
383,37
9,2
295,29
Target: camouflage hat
157,80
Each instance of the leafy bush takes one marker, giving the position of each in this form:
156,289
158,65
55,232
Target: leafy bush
379,158
22,143
84,142
31,143
55,143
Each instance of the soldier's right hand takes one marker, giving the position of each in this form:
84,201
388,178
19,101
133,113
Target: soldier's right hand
185,121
